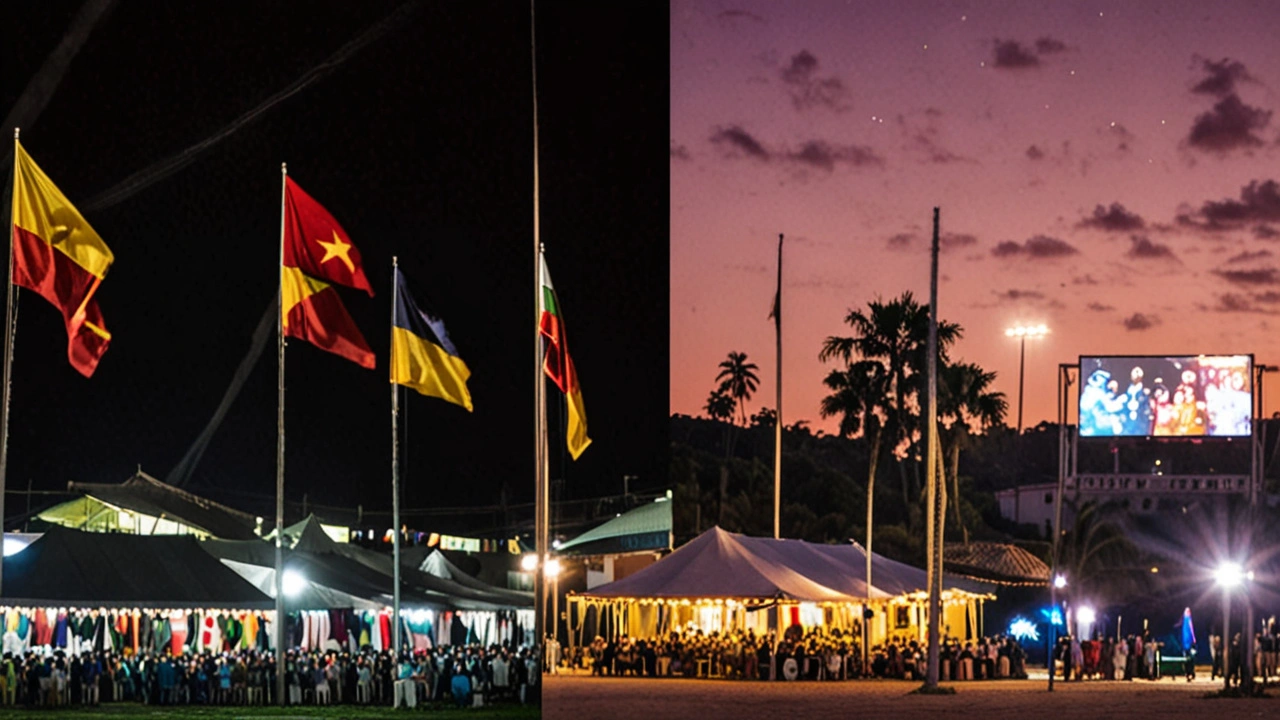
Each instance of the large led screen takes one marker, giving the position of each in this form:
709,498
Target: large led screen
1192,396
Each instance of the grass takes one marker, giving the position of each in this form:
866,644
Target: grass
435,711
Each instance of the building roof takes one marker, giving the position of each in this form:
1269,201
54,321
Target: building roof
1000,563
149,496
67,567
641,529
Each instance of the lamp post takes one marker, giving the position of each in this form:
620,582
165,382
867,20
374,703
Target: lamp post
1022,332
1230,576
1059,582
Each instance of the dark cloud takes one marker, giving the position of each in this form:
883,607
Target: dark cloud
1143,249
809,91
1019,295
1084,280
1099,307
1035,153
1040,246
679,152
1113,219
1249,256
1259,203
737,139
1270,297
1222,77
1011,54
1228,126
1265,232
955,241
1140,321
825,156
1257,276
1233,302
901,241
1047,45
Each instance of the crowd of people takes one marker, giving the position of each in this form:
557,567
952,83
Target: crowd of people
463,675
1136,657
816,654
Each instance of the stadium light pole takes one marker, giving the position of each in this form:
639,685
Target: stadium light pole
1022,332
1230,576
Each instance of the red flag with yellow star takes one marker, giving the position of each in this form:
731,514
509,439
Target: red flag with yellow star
317,252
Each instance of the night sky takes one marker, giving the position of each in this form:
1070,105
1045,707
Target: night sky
1108,169
420,144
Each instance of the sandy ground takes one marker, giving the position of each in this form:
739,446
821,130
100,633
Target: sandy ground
583,696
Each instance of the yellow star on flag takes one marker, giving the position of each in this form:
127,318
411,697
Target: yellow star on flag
337,249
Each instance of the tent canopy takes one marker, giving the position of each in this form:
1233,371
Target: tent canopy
355,571
146,495
641,529
67,567
721,564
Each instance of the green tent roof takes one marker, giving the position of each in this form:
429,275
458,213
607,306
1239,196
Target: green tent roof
645,528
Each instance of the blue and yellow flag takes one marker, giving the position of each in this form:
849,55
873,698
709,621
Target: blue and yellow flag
422,356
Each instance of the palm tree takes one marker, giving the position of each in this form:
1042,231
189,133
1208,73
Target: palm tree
738,378
894,334
964,397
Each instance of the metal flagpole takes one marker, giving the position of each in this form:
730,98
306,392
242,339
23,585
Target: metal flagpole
9,320
280,343
539,411
395,466
777,423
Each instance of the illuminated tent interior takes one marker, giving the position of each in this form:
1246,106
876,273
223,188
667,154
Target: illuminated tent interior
726,581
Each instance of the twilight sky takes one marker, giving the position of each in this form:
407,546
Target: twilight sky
1108,169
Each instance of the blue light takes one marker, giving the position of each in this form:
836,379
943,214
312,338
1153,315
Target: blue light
1023,629
1052,615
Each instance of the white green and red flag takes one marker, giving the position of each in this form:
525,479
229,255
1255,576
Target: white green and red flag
559,366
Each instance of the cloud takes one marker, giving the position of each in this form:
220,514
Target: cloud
1257,276
1270,297
1233,302
1249,256
1011,54
819,154
955,241
1265,232
747,268
1144,249
679,152
1035,153
825,156
809,91
1084,280
901,241
1040,246
1113,219
1099,307
1228,126
1140,321
1222,79
1237,303
1015,295
739,140
1047,45
1259,203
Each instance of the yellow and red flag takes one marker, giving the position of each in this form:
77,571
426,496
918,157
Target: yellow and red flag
316,250
58,255
559,366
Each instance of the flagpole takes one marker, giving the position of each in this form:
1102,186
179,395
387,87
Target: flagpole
777,422
9,321
936,511
540,439
280,618
395,463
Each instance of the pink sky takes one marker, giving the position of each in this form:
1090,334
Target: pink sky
843,124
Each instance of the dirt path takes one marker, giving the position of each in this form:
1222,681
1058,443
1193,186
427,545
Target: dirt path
647,698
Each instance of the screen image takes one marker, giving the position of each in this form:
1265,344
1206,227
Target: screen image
1188,396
